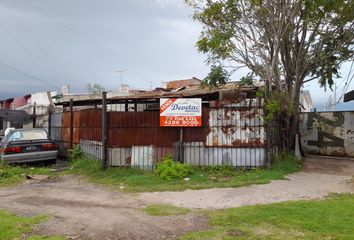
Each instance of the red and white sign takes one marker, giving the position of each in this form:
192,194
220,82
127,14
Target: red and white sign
180,112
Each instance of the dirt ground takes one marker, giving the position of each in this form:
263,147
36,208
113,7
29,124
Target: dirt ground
86,211
321,176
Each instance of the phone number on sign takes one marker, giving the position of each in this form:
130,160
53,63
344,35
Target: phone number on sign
181,121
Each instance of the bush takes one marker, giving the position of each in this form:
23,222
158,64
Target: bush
285,157
76,153
222,171
169,169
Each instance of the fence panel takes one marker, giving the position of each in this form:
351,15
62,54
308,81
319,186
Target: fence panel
231,134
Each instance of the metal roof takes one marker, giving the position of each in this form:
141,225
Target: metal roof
191,91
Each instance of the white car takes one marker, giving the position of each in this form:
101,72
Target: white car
27,145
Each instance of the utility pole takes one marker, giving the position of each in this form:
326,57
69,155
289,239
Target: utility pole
335,97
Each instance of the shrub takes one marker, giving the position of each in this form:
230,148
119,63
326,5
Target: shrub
76,153
285,157
169,169
222,171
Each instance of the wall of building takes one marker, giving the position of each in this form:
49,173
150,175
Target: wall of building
327,133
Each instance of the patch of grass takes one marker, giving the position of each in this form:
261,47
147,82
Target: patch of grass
165,210
331,218
14,227
135,180
12,174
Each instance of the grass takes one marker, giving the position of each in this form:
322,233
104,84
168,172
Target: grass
165,210
14,227
331,218
13,174
135,180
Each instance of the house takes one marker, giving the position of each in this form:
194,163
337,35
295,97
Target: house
176,84
349,96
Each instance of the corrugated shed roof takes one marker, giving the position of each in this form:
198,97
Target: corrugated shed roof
183,83
189,91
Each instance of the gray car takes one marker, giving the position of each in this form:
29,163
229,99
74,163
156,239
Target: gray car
27,145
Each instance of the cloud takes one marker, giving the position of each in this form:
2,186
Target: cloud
181,32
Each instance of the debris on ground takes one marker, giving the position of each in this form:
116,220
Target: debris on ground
37,177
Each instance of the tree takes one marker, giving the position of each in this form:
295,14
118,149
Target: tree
95,89
285,43
216,77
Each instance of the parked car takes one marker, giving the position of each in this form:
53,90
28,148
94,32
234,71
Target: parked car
27,145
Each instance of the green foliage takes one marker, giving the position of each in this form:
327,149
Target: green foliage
165,210
216,77
311,41
247,80
331,218
135,180
12,226
260,92
222,171
278,106
169,169
76,153
286,160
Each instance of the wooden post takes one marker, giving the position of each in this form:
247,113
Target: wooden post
126,106
34,115
104,131
49,122
135,105
181,151
71,127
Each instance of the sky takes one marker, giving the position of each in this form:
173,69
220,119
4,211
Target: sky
47,43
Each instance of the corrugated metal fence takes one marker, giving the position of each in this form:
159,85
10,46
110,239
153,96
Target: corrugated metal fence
231,134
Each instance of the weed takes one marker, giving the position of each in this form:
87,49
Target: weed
169,169
76,153
165,210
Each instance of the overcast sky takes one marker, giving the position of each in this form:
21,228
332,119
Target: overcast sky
85,41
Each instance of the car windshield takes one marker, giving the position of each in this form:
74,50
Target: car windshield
27,135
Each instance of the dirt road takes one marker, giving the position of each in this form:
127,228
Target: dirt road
320,177
87,211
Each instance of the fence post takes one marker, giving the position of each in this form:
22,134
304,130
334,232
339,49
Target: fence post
34,115
181,149
104,130
71,127
49,123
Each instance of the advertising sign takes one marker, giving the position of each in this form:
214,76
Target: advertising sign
180,112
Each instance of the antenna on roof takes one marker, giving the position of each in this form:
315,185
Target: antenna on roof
121,74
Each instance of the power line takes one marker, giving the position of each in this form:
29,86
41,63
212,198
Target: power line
43,53
79,34
29,75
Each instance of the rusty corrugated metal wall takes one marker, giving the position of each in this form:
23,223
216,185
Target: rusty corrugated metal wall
232,134
327,133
